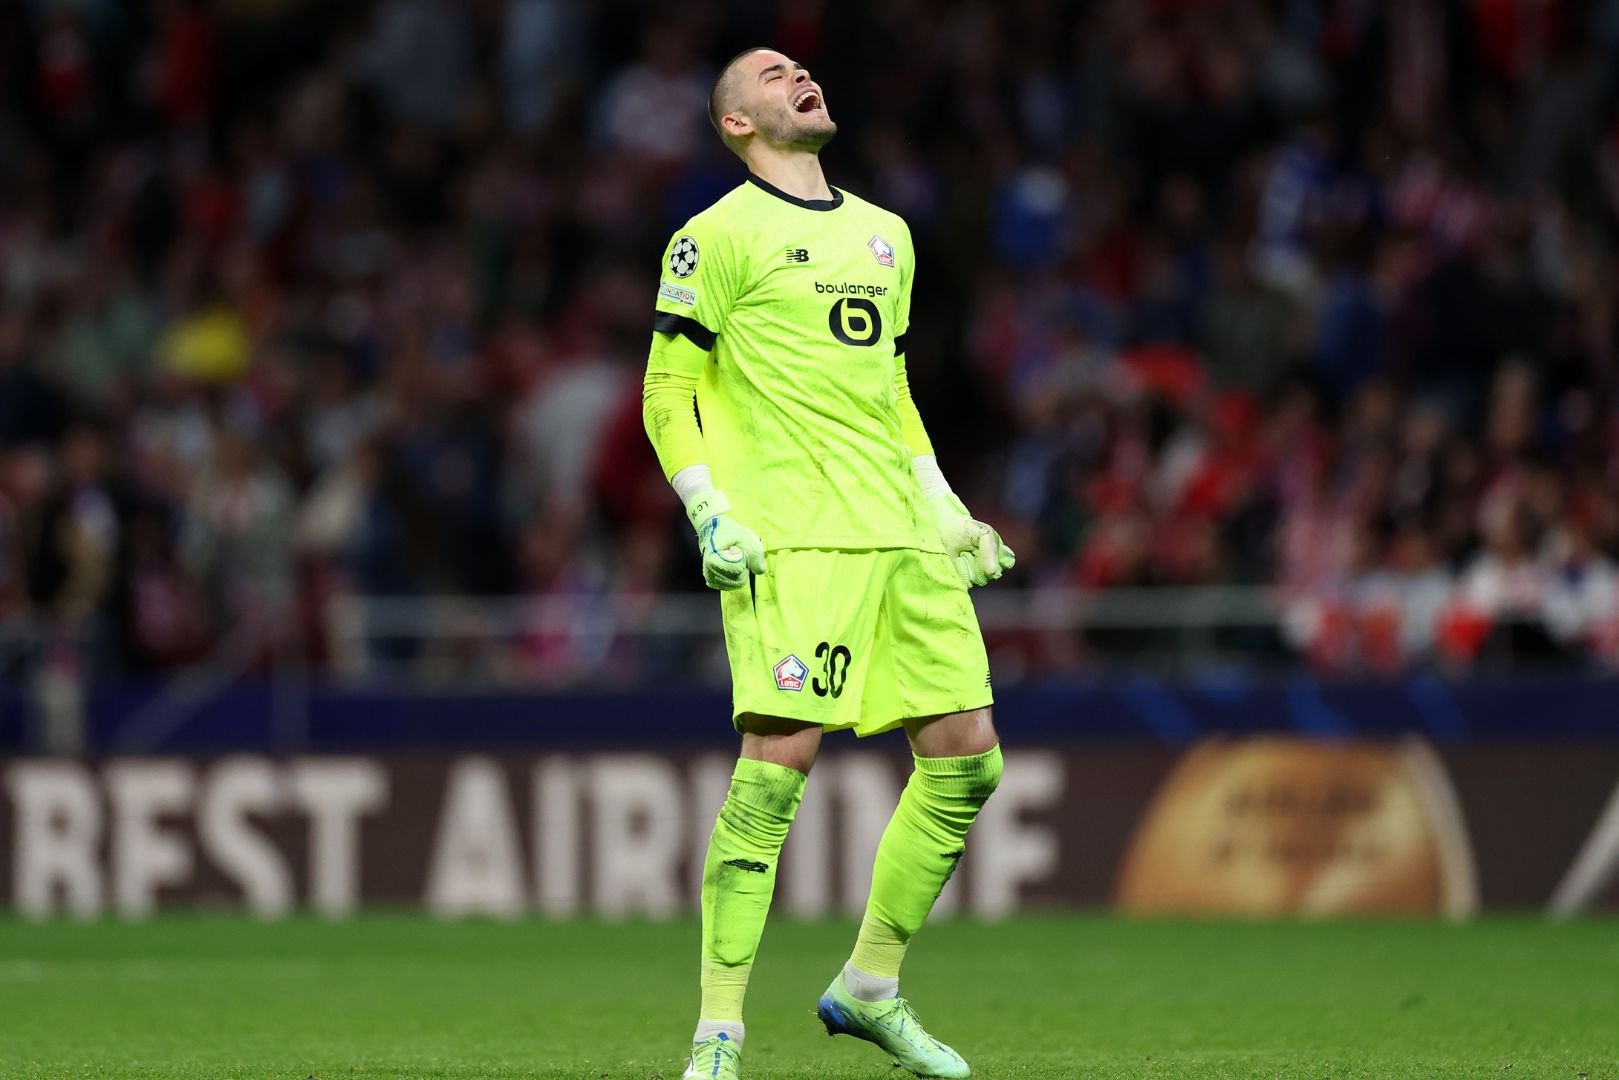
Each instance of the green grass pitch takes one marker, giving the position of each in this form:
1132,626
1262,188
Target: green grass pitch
1035,998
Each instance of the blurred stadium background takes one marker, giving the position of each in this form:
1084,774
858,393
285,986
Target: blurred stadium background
1279,337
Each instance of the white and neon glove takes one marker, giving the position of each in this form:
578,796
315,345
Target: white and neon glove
975,547
730,551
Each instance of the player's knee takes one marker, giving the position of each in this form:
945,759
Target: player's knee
762,801
953,735
986,776
773,800
789,743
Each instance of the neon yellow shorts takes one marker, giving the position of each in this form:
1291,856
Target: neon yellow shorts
855,639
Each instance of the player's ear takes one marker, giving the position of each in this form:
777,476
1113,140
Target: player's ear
736,124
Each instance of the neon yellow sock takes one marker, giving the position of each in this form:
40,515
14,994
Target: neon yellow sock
918,853
739,876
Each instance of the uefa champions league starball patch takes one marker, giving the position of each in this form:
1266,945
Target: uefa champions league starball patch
790,673
880,248
683,257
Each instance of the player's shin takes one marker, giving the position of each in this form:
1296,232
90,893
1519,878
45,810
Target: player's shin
739,876
919,850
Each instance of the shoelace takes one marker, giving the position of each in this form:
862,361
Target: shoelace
908,1013
729,1052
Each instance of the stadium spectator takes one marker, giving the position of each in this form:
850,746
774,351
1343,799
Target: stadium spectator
301,301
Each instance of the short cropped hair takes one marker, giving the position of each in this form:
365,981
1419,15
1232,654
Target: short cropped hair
715,93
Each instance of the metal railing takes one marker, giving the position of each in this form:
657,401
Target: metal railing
424,634
353,617
597,642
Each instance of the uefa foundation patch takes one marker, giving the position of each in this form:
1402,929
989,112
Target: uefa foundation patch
790,673
678,294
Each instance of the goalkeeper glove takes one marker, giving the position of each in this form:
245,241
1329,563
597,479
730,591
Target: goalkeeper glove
730,551
976,549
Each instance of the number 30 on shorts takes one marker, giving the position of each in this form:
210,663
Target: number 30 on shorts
834,668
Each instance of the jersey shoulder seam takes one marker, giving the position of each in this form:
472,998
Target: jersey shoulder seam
713,215
718,233
898,222
851,197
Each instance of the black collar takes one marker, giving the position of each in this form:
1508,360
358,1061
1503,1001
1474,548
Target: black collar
809,204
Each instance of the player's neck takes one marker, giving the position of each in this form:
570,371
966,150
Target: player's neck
796,172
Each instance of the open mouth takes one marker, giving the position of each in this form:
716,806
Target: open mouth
807,102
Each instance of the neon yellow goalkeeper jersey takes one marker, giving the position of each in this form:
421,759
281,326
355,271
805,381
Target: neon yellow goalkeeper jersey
796,312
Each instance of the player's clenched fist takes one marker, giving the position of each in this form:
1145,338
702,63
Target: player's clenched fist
730,551
976,548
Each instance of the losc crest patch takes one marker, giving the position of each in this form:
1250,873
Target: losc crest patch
882,250
790,673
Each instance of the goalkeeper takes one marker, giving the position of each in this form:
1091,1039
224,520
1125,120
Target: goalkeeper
842,556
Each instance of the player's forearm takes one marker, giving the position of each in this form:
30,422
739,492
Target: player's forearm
910,421
731,551
977,550
923,462
668,407
925,467
668,396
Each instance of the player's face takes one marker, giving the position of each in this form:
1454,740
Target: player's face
785,105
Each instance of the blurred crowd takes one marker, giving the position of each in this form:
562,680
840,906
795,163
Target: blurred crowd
301,300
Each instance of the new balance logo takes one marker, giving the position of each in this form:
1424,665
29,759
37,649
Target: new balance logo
798,255
747,864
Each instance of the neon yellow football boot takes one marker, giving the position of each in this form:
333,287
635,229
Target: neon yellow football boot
715,1058
892,1025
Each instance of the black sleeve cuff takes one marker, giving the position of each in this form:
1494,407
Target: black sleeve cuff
899,343
665,322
